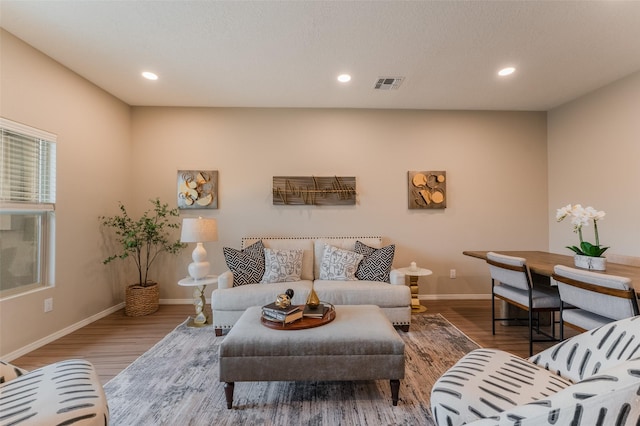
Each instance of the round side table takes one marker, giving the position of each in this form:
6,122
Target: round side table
414,273
199,299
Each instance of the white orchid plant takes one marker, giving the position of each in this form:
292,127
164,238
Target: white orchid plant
580,217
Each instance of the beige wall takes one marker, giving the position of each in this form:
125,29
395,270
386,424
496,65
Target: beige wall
94,166
107,152
594,159
495,164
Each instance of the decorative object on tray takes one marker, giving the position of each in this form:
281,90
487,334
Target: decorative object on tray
283,301
427,190
142,240
281,310
319,311
197,189
313,302
314,190
587,256
282,318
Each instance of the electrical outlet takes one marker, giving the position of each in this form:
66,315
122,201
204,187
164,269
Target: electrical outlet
48,304
452,273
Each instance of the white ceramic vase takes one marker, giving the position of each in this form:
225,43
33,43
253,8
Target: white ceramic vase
590,262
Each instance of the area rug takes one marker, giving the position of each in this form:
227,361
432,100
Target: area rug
177,383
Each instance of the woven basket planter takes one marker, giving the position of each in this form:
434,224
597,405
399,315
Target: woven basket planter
142,300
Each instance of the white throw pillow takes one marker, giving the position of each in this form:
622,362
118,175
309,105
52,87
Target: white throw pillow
281,266
338,264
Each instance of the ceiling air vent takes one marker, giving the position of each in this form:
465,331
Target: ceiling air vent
388,83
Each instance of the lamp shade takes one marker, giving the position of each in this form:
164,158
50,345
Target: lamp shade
199,230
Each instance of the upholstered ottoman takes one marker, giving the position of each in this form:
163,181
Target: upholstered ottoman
360,344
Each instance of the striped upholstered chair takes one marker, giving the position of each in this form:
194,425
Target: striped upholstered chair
64,393
590,379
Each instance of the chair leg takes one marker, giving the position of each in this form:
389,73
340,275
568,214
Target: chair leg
531,332
493,314
561,326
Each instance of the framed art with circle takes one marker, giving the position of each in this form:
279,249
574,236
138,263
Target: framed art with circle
427,190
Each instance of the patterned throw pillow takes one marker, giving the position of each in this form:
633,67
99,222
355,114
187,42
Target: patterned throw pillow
282,266
376,264
338,264
247,265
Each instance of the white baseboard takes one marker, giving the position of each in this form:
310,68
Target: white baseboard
454,296
55,336
180,301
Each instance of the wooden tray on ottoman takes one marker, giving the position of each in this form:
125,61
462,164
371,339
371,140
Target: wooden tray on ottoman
303,323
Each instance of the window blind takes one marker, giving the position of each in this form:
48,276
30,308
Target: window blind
28,161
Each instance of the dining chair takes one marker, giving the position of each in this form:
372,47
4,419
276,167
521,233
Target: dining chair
595,299
511,282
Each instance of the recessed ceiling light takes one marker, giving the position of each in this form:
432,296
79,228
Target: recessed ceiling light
506,71
344,78
149,75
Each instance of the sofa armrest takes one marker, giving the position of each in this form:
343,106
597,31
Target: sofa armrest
225,280
396,277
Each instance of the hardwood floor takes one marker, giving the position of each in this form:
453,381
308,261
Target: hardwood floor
115,341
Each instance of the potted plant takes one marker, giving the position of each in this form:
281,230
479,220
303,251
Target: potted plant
142,240
587,255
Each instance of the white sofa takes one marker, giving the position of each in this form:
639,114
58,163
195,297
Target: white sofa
591,379
394,297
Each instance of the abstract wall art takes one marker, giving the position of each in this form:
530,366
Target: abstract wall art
197,189
314,190
427,190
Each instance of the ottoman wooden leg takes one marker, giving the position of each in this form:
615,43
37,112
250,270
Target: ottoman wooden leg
228,393
395,389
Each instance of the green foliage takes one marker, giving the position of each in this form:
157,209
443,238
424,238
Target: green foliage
143,239
588,249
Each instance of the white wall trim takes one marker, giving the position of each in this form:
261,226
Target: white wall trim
454,296
180,301
55,336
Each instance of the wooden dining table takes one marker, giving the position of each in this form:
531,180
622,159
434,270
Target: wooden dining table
542,263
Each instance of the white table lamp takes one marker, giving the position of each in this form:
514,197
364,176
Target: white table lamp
200,230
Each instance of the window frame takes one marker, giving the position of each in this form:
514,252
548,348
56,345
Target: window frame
43,211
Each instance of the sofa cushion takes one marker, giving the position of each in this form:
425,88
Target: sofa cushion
240,298
281,266
247,265
345,243
339,264
376,263
363,293
290,243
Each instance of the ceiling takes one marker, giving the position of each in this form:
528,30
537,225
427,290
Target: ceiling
289,53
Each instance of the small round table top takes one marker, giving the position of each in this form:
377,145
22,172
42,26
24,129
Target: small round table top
190,282
418,272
